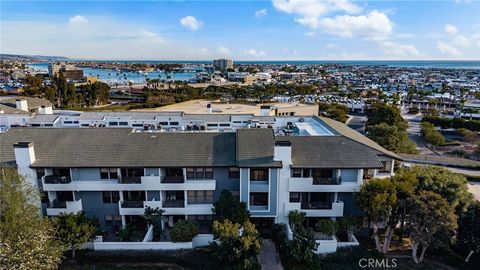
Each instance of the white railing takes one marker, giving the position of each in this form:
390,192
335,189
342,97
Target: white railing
353,243
299,184
149,235
70,207
189,209
335,211
326,246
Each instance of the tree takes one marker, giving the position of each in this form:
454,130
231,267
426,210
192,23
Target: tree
238,245
26,239
431,136
432,222
184,231
383,113
303,246
377,199
74,230
228,207
350,225
391,138
469,230
152,215
296,219
451,186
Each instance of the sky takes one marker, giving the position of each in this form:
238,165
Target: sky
243,30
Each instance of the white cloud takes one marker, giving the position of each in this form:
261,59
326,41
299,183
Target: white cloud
224,51
462,1
310,34
307,9
255,53
476,39
448,49
461,41
261,13
77,20
373,26
330,45
394,49
451,29
191,23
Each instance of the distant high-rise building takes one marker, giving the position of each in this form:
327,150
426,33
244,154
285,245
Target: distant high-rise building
70,71
223,64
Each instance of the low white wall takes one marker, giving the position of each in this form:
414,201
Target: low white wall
289,232
202,240
326,246
141,245
149,235
354,243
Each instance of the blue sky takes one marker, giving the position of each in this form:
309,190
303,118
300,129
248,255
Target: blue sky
243,30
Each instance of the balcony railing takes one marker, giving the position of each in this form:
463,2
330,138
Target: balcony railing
316,205
174,204
173,179
327,180
132,204
58,204
57,179
129,179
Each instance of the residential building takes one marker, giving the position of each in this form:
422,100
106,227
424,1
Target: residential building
310,164
223,64
70,71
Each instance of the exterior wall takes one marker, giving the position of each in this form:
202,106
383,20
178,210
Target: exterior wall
85,174
244,185
224,182
349,208
94,207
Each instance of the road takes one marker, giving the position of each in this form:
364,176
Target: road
413,131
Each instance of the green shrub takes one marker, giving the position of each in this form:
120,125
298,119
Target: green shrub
326,226
184,231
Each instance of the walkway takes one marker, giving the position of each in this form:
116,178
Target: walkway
268,256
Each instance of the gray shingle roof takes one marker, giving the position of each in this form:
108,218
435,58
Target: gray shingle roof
330,152
104,147
255,148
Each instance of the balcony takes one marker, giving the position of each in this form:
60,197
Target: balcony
130,179
327,181
131,207
57,179
174,204
309,184
64,207
316,209
173,179
316,205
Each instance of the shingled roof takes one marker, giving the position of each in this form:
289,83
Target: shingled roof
330,152
104,147
255,148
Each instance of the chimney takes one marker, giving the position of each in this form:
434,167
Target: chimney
209,107
45,109
21,104
265,110
283,152
24,154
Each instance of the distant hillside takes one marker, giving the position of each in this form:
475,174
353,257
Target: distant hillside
32,57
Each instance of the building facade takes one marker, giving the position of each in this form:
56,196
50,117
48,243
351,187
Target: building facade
223,64
115,173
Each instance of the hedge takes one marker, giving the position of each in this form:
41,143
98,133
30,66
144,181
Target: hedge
473,125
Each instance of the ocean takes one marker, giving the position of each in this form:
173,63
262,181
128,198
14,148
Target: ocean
112,76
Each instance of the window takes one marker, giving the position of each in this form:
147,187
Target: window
190,173
235,194
294,196
67,122
113,220
113,123
259,198
61,172
297,172
224,125
387,166
202,220
306,173
208,173
48,125
200,173
212,125
137,125
163,123
84,125
234,172
110,196
200,196
108,173
123,123
173,123
259,174
323,174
